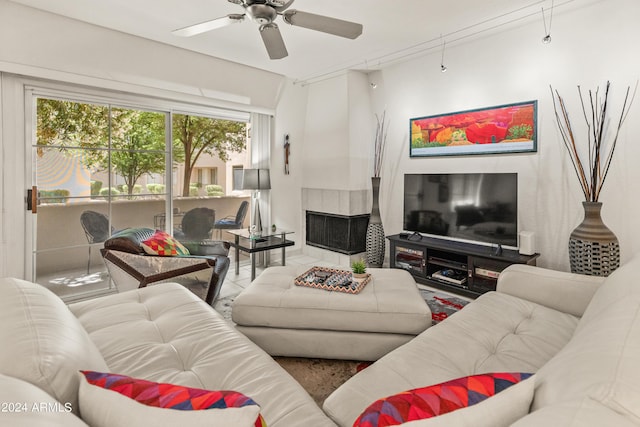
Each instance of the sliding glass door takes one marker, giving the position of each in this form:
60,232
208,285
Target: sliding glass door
102,167
96,168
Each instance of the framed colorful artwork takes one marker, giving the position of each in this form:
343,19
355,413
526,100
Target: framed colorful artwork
508,128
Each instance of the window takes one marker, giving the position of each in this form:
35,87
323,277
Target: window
201,141
237,177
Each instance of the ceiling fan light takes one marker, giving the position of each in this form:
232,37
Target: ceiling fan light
261,13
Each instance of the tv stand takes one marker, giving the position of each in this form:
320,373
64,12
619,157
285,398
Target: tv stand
463,268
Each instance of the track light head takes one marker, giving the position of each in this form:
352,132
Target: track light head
443,68
546,39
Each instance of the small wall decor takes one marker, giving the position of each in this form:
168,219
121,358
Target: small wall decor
508,128
287,153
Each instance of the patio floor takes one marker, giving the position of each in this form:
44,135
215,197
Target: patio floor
77,285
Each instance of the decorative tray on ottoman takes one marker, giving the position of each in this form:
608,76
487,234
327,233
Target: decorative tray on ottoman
332,279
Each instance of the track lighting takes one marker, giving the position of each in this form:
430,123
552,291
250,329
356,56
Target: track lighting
547,31
442,66
373,85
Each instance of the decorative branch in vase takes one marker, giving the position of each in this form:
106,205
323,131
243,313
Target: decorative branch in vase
375,232
592,176
593,248
380,143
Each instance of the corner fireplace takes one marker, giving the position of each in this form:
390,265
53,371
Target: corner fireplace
345,234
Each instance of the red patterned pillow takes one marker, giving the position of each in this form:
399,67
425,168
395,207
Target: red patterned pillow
163,244
109,399
428,402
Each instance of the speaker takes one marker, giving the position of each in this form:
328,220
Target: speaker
527,243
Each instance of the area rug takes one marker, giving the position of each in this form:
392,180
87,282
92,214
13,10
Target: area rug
320,377
442,305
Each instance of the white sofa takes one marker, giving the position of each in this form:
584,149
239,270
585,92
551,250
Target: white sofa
161,333
580,336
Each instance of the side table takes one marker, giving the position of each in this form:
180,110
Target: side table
243,241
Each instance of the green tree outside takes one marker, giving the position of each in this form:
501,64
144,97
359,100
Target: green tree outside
197,135
137,137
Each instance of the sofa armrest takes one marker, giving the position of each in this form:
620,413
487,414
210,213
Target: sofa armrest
566,292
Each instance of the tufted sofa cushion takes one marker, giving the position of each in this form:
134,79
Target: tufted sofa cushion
163,333
497,332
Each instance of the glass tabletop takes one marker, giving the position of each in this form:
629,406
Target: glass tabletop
268,239
243,232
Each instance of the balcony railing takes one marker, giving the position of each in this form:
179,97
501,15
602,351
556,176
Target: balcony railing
62,251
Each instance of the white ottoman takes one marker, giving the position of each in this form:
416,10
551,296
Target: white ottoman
298,321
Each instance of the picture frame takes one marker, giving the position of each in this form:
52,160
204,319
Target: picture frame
509,128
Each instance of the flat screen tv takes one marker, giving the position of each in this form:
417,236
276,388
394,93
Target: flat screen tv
476,207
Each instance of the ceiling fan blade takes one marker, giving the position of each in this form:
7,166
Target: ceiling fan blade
273,41
337,27
214,24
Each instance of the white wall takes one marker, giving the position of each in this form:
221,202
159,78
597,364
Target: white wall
326,136
286,191
590,45
42,44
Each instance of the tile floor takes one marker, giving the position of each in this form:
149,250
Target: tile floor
78,285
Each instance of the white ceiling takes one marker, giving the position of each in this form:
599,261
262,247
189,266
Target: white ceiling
392,30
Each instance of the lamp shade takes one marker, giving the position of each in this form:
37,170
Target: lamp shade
256,179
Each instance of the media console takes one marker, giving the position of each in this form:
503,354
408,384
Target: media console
464,268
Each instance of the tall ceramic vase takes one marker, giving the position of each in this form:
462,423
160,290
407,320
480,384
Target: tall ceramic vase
593,248
375,232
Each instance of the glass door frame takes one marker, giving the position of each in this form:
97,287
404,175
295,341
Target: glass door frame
119,100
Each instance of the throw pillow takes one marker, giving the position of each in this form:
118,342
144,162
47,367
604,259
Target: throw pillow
432,401
162,244
128,240
112,400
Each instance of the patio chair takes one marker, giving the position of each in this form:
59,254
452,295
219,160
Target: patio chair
196,225
232,222
96,229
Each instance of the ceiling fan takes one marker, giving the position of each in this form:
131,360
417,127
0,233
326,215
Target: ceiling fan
264,12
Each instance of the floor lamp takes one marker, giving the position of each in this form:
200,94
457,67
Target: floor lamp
256,180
